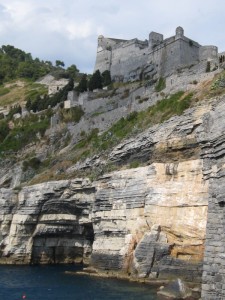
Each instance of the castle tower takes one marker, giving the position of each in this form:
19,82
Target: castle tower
100,43
155,39
179,32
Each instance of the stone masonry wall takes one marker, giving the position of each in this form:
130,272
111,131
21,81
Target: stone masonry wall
127,59
213,286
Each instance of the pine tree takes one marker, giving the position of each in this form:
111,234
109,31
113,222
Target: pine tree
106,78
82,86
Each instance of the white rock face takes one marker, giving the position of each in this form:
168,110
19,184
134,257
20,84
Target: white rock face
143,213
48,223
127,221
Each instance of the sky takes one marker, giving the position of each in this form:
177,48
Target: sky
68,29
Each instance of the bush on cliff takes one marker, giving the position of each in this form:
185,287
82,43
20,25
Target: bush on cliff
161,84
29,130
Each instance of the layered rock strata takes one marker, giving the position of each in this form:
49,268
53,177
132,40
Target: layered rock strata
143,222
47,223
148,222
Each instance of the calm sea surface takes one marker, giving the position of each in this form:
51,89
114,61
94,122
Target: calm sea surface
51,282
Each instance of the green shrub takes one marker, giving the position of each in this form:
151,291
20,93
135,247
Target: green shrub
125,94
24,134
73,114
33,163
4,130
4,91
161,84
136,121
208,67
134,164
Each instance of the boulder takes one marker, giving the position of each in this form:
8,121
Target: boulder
175,290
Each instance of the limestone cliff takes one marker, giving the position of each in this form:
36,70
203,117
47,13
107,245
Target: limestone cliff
148,221
137,221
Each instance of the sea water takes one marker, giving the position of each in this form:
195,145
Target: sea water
52,282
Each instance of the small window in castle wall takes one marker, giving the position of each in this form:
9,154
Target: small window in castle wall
57,88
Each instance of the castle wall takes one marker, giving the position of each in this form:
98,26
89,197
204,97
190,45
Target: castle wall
103,60
189,52
155,39
175,54
213,287
104,52
127,60
208,53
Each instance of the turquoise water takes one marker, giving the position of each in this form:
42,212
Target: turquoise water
51,282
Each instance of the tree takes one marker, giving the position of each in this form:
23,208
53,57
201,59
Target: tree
28,104
95,81
4,130
25,69
72,70
59,63
49,63
106,78
82,86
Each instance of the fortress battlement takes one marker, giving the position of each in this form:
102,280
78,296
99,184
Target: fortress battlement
128,60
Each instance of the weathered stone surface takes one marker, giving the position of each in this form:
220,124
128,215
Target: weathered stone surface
130,60
127,221
213,144
175,290
128,206
48,223
147,222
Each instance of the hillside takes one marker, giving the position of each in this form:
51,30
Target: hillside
60,140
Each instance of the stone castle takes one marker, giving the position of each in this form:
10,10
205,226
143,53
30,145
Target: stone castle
129,60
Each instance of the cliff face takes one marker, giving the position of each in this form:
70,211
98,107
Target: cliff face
47,223
149,221
135,221
146,222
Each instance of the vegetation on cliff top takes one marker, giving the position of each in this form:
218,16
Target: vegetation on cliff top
24,131
133,124
15,63
30,130
94,143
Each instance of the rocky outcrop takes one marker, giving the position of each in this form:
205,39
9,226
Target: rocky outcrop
148,223
175,290
47,223
144,222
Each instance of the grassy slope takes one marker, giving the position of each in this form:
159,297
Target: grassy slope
18,91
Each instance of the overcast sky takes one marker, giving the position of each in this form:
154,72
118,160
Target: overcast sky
68,29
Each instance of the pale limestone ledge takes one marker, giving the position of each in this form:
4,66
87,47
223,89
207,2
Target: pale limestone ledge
178,203
111,223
